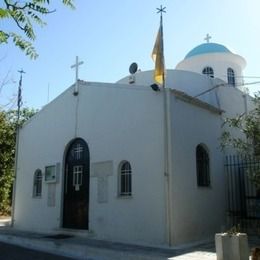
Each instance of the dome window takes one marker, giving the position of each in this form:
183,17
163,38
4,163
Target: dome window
208,71
231,77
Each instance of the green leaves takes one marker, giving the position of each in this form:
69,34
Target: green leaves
4,13
249,126
24,45
7,152
25,14
3,37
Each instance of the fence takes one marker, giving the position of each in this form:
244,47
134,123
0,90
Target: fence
243,197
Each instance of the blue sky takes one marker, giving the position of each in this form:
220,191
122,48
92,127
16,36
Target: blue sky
109,35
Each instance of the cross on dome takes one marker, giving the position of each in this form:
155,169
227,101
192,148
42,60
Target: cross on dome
207,38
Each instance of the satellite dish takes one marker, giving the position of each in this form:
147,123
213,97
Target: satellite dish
133,68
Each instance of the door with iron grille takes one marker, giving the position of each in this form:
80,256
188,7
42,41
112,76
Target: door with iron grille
76,186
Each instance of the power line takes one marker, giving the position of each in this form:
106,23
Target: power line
226,84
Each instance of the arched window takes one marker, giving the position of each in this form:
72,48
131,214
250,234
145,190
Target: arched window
231,77
208,71
125,179
202,165
37,183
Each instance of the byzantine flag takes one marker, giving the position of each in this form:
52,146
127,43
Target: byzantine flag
158,57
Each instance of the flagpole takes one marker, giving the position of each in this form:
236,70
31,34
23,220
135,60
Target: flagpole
166,130
159,76
162,10
19,103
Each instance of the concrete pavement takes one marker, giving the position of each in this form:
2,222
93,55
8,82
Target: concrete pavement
80,247
83,247
14,252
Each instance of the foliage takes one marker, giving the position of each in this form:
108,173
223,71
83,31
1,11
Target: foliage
7,152
249,126
25,14
249,143
234,230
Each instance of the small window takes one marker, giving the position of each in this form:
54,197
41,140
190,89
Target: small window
125,179
231,77
202,164
77,176
37,184
208,71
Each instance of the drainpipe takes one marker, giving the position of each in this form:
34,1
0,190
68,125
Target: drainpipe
245,103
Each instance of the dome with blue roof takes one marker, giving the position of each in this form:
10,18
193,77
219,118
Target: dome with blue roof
206,48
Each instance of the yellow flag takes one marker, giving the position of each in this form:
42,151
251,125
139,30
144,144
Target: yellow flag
158,57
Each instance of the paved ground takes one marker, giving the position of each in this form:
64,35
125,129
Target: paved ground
83,247
12,252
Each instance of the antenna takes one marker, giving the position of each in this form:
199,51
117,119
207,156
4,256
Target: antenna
48,93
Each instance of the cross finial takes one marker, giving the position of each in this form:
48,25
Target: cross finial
19,96
207,38
21,71
76,66
161,10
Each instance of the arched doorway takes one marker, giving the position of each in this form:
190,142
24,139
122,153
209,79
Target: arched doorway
76,186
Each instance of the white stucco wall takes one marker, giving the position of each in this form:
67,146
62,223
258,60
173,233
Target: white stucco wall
200,210
192,83
219,62
125,122
42,142
118,123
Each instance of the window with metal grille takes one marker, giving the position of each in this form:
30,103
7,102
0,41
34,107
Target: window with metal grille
37,184
202,164
231,77
208,71
125,179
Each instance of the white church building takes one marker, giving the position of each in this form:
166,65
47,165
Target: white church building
94,161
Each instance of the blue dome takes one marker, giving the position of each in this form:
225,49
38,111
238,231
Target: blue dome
207,48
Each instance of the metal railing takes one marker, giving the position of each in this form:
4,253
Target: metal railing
243,196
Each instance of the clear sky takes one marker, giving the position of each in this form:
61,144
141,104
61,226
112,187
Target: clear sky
109,35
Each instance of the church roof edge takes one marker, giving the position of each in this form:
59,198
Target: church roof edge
195,101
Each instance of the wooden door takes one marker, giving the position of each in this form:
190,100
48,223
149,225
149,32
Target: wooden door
76,186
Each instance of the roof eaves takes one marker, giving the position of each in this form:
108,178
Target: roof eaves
195,101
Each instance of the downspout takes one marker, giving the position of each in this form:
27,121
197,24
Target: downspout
245,103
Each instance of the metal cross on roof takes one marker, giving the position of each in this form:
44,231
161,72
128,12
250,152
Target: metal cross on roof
207,38
76,66
21,71
161,10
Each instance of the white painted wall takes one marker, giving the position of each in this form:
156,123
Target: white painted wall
189,82
219,62
118,123
42,142
198,212
125,122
